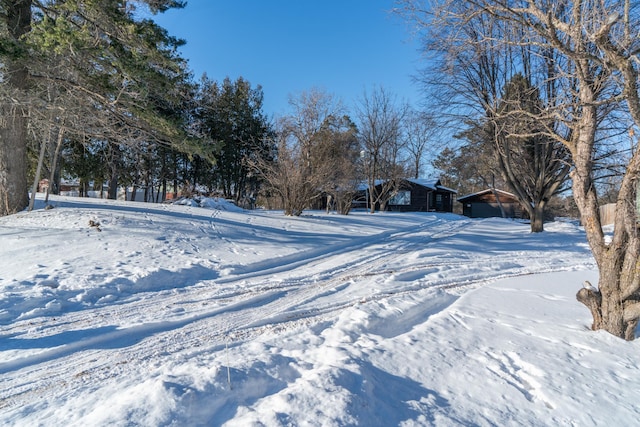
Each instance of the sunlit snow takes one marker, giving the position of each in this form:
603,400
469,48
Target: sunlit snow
207,315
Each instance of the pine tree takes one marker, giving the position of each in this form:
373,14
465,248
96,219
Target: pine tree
113,69
534,165
230,114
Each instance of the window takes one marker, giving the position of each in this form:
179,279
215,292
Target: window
401,198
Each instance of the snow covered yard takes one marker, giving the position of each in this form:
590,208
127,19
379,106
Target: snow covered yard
206,316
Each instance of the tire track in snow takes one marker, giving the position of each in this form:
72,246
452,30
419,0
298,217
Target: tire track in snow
199,327
239,314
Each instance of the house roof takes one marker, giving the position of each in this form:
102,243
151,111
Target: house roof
433,184
487,191
364,185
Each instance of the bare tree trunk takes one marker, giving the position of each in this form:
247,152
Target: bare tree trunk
54,162
36,177
372,198
614,305
163,189
114,163
537,220
610,307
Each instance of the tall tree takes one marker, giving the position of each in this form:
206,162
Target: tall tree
15,24
338,149
594,45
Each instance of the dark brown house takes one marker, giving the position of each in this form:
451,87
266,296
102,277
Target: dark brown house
488,203
422,195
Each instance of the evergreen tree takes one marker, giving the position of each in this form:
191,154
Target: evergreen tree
534,165
230,114
98,54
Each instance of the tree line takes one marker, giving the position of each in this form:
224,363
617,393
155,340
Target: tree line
94,91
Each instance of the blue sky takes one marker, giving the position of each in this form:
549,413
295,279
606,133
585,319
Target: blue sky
288,46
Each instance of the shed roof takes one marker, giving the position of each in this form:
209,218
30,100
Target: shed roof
487,191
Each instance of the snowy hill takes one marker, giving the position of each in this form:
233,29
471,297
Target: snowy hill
205,316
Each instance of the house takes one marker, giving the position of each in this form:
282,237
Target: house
65,188
487,203
419,195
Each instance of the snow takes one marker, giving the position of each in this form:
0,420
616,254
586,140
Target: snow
206,315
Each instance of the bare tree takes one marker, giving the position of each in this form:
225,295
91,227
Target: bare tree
338,149
302,167
476,61
380,125
420,130
595,46
285,176
534,165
